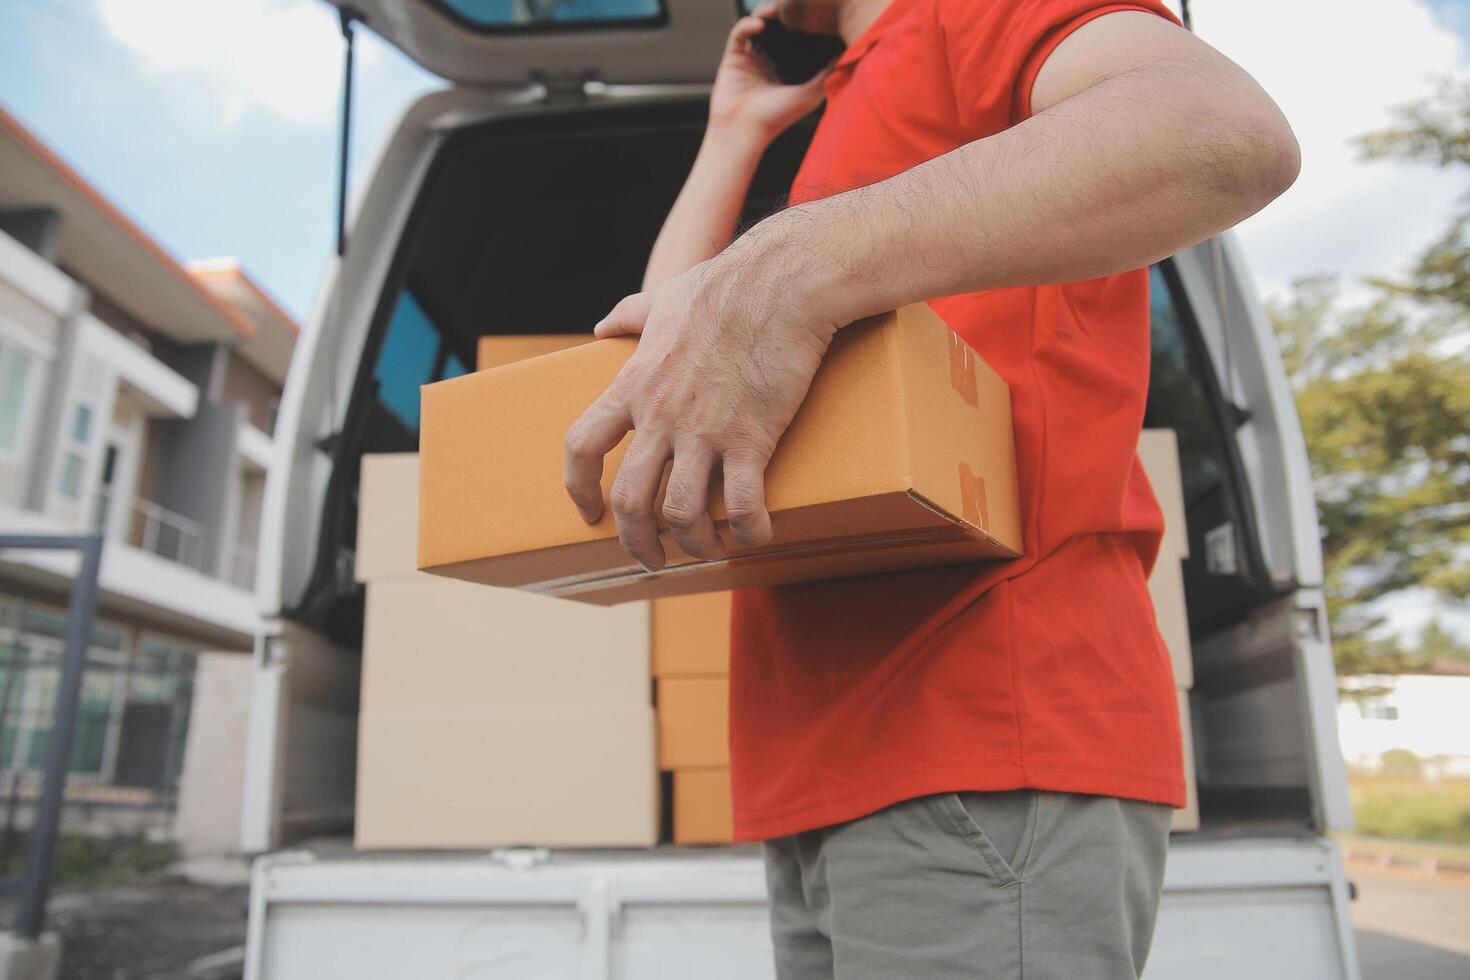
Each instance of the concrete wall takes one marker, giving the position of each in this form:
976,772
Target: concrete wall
199,474
211,787
38,229
27,316
200,363
244,383
252,497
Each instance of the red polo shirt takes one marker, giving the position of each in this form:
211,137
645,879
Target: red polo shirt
1046,671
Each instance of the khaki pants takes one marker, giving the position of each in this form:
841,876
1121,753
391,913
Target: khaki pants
1022,885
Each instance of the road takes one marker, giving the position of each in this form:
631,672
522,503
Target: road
1411,928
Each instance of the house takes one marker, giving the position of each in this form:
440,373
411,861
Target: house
137,398
1422,712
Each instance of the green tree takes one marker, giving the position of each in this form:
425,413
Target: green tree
1438,645
1435,130
1383,391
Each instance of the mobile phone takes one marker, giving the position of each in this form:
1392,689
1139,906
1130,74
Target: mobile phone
794,56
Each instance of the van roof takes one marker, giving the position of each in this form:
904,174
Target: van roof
510,42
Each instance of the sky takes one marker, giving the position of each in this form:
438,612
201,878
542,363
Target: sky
213,124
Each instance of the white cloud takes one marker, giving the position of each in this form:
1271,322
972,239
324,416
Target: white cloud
1335,66
1407,612
280,57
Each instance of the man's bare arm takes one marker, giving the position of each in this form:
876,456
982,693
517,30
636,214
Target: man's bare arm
1144,141
703,218
749,107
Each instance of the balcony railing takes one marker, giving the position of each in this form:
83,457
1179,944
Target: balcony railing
157,529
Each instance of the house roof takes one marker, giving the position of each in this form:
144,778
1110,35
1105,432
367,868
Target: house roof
269,349
108,251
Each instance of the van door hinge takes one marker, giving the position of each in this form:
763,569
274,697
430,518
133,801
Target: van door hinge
564,87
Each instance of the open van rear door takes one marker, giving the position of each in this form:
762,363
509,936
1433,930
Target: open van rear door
503,42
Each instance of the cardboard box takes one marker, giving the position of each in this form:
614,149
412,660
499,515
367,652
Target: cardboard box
694,723
702,809
387,517
1187,819
1158,450
691,635
432,644
495,350
549,777
1166,587
901,456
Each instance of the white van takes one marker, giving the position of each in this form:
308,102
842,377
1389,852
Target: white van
526,197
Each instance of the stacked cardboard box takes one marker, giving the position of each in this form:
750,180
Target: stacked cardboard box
691,651
1158,450
492,717
691,664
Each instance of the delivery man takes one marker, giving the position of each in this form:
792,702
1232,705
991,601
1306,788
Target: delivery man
967,771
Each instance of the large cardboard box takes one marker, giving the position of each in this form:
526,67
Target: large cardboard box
691,635
387,517
1166,587
493,351
1188,818
702,808
544,777
492,716
901,456
694,723
1158,451
432,644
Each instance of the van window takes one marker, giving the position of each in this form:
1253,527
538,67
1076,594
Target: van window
413,354
1176,397
498,15
1222,574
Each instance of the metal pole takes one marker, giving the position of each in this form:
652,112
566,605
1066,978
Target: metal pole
41,854
12,800
348,16
15,674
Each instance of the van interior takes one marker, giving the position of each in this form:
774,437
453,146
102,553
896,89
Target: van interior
540,223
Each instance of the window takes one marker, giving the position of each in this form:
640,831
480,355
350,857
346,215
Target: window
74,458
155,721
413,354
81,424
15,394
1176,397
71,476
32,646
520,14
1222,575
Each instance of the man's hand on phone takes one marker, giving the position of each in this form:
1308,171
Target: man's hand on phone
748,99
726,357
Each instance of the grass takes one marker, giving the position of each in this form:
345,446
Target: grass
1407,850
99,862
1406,808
